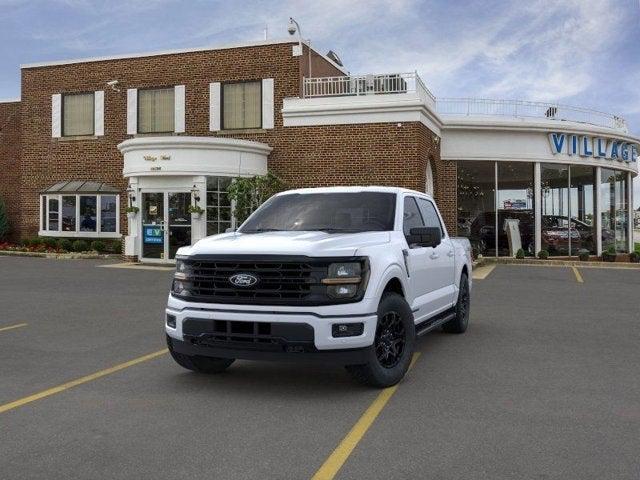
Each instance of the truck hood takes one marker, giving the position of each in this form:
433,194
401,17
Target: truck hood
312,244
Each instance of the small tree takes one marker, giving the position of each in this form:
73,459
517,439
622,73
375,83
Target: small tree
4,221
248,193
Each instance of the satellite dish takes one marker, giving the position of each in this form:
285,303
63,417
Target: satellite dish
334,57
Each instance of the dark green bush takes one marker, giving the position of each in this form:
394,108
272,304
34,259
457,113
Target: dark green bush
65,244
543,254
50,242
25,242
583,254
520,253
115,246
634,257
80,246
98,246
35,241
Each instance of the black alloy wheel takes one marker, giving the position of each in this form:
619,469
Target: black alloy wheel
390,340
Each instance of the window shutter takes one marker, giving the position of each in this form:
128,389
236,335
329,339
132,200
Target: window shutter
98,112
267,103
179,99
215,112
56,115
132,111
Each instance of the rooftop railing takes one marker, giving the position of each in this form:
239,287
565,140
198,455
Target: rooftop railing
526,109
356,85
399,83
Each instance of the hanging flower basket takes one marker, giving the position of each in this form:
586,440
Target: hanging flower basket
195,211
132,212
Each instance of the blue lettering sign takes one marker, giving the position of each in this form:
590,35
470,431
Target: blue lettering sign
557,142
573,146
634,153
624,151
586,147
601,147
614,150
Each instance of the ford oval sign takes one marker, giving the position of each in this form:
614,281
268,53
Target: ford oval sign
243,280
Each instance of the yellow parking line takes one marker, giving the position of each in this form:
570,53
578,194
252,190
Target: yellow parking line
74,383
333,464
576,272
11,327
480,273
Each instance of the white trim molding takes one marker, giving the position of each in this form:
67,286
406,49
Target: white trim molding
215,112
179,109
98,113
132,111
56,115
268,107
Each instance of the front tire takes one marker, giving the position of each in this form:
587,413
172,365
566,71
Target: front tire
461,321
393,345
210,365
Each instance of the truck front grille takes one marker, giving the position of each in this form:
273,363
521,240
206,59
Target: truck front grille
280,281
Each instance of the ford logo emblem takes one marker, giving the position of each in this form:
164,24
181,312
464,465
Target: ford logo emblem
243,280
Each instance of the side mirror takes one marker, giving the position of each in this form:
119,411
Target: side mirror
424,236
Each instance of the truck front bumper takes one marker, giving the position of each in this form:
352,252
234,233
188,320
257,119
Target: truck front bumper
268,332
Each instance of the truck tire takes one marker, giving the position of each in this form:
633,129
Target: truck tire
461,321
394,341
199,364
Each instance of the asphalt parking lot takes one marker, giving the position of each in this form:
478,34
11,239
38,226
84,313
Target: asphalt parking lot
545,384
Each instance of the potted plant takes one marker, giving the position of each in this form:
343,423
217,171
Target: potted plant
610,254
583,255
195,211
132,211
520,254
543,254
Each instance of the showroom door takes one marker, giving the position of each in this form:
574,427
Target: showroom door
166,224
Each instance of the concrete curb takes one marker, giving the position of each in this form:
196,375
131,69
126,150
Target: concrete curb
561,263
60,256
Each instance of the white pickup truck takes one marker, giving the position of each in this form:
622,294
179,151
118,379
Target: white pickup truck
349,275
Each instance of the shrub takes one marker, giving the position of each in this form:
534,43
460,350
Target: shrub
25,242
35,241
610,254
65,244
634,257
98,246
520,253
80,246
543,254
50,242
115,246
583,254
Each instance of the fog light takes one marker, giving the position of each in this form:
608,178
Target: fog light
342,291
171,321
347,329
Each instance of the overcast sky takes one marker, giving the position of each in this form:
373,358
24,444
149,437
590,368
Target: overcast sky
581,52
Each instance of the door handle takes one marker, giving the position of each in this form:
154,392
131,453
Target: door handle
434,255
450,253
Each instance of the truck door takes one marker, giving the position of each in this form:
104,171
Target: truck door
421,281
441,260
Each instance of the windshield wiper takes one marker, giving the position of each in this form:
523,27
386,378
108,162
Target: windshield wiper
336,230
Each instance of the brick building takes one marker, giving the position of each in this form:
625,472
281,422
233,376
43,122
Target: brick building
162,131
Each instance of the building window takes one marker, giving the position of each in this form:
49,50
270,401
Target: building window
477,205
156,110
614,210
241,105
516,221
78,215
219,216
78,114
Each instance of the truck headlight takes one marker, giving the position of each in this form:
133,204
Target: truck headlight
343,279
180,287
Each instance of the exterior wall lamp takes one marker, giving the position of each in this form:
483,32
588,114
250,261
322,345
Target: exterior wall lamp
195,193
132,194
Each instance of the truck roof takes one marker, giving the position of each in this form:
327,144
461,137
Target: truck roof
353,190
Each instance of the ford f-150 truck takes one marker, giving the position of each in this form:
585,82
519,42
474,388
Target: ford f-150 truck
349,275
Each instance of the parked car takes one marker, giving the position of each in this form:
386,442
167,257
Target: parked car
349,275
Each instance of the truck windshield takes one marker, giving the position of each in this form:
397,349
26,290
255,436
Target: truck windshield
327,212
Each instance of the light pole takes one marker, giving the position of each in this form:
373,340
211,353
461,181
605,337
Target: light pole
292,29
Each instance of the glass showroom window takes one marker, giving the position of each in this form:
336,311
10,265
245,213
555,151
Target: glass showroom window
614,209
241,105
78,215
156,110
78,114
477,205
218,205
516,219
555,208
582,198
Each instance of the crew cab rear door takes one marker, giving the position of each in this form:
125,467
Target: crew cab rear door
441,259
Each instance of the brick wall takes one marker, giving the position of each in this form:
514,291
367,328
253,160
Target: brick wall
365,154
9,160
